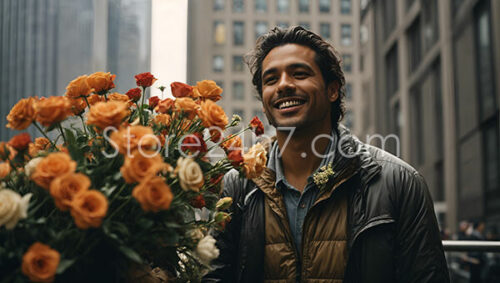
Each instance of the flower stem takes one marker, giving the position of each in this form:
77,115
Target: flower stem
62,132
87,101
83,124
142,104
119,208
44,134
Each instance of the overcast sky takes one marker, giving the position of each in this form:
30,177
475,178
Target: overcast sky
169,42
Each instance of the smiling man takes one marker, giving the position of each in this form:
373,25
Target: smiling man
328,208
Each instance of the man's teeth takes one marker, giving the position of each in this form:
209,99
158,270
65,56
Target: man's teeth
290,103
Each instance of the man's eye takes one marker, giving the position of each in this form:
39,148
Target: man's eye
269,80
300,75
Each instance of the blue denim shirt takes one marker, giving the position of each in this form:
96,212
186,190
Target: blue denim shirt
297,204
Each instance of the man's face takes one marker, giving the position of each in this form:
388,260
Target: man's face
293,89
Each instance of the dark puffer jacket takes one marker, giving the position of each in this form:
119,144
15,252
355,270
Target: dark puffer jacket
392,230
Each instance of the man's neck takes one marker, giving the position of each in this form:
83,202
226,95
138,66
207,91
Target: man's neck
298,157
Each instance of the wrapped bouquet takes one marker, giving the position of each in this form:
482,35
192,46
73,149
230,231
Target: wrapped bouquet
117,189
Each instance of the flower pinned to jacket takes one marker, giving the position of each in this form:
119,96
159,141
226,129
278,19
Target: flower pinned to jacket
323,175
206,250
13,207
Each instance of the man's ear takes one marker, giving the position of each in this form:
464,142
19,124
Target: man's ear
333,91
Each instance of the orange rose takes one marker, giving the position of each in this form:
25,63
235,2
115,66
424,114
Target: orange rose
64,188
107,114
234,142
4,169
52,110
165,105
88,208
163,120
20,142
39,145
115,96
40,263
128,139
7,152
78,105
254,161
207,89
95,98
212,115
187,106
153,194
78,87
181,89
52,166
101,81
140,165
22,114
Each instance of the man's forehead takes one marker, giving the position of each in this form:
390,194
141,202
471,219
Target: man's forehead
288,54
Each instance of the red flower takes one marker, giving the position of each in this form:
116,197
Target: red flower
235,157
198,201
181,89
134,94
257,126
194,143
144,79
153,101
21,141
165,105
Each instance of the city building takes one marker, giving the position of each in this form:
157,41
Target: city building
44,44
221,32
430,73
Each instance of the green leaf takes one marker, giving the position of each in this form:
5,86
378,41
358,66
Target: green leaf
130,254
64,264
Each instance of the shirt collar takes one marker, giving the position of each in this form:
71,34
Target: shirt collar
274,162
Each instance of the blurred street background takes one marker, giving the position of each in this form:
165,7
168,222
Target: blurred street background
422,75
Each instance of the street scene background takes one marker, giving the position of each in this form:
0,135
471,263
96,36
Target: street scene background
422,76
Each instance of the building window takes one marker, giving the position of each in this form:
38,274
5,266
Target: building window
491,157
261,6
345,7
414,45
238,91
305,25
238,6
219,33
345,34
238,65
238,33
260,28
283,6
218,63
324,6
348,119
455,5
324,30
430,23
303,6
484,63
283,24
389,16
348,91
347,62
391,68
416,127
361,63
219,5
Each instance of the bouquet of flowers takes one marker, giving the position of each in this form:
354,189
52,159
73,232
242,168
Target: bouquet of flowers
117,189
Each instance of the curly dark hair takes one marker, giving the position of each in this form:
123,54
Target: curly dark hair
326,58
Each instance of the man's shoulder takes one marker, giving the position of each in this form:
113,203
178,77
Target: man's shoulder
389,162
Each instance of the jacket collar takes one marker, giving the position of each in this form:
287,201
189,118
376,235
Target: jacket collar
352,156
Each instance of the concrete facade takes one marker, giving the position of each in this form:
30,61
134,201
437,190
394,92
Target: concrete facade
441,99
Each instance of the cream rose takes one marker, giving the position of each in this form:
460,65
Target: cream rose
254,161
206,250
31,166
13,207
190,174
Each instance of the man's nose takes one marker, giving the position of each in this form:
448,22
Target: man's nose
286,84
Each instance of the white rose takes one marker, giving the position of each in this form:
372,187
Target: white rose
30,167
13,207
190,174
206,250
